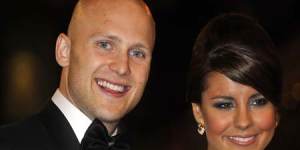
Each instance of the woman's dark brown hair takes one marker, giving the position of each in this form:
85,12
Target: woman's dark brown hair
238,47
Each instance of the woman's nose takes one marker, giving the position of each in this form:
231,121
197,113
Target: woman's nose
243,118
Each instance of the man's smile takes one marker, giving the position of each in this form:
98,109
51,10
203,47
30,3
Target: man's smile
114,89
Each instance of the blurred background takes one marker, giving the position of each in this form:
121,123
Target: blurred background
163,119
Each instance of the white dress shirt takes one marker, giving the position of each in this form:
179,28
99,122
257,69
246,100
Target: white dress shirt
78,120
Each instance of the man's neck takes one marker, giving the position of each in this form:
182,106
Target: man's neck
111,128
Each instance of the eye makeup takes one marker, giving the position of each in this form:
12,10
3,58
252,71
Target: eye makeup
223,102
258,100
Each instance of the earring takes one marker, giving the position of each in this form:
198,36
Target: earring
201,129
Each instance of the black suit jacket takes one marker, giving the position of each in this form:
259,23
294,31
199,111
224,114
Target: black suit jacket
48,130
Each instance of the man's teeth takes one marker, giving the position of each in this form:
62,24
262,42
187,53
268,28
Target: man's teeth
111,86
242,139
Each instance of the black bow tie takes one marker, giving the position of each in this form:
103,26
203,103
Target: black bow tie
97,138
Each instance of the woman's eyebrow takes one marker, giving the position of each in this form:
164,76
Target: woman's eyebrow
223,97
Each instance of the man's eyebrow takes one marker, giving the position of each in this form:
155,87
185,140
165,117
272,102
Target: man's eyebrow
108,36
118,40
113,38
140,45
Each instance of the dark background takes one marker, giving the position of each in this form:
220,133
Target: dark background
163,119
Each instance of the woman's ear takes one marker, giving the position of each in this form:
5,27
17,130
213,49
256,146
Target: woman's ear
197,113
62,50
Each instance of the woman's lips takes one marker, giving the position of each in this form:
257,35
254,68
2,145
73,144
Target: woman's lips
242,140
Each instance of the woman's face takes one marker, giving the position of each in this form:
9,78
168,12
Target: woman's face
235,116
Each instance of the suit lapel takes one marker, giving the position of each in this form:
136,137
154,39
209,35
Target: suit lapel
60,132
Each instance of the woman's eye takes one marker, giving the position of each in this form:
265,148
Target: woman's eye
223,105
137,53
259,102
104,44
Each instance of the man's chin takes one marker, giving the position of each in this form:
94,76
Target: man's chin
110,118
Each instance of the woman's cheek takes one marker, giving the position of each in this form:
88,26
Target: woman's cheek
217,122
265,119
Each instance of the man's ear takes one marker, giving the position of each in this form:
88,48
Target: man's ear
62,50
197,113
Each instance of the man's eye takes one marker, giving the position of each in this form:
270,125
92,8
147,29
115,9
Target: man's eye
223,105
137,53
104,44
258,102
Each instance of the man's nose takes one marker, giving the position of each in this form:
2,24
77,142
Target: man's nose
120,64
243,118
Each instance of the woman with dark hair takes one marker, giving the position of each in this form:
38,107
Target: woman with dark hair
235,84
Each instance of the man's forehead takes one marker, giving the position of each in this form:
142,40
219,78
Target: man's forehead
90,14
108,4
102,8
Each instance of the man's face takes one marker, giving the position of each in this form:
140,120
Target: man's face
109,59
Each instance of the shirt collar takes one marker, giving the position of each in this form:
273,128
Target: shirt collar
77,119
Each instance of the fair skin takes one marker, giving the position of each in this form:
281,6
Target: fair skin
105,57
235,116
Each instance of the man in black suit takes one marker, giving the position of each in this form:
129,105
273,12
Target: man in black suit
105,58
